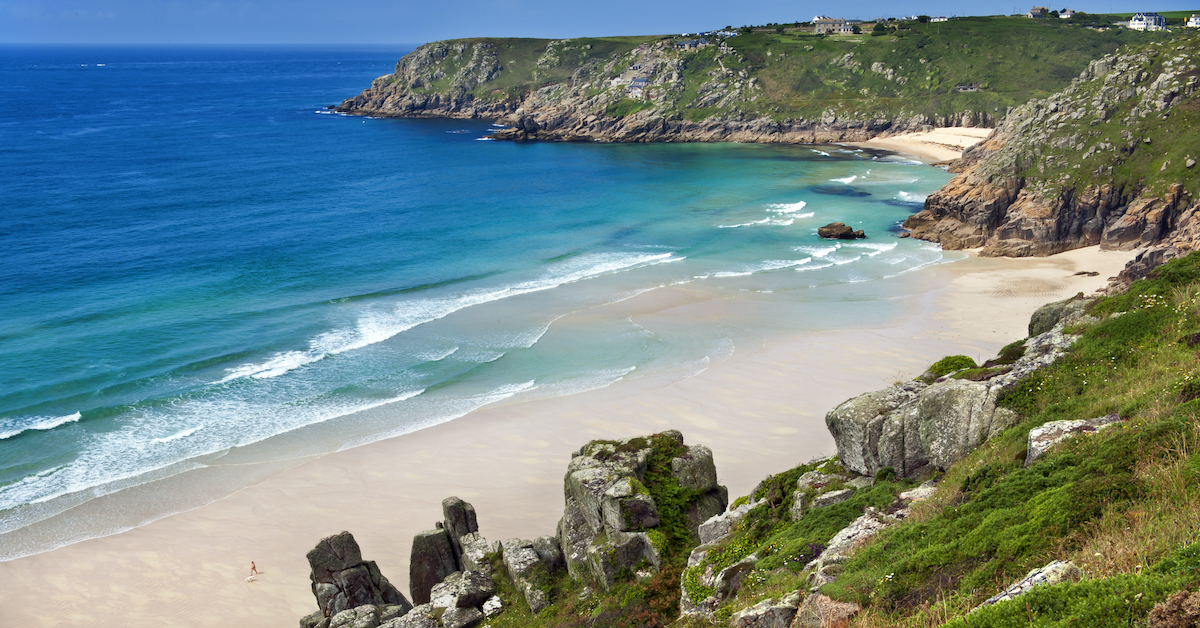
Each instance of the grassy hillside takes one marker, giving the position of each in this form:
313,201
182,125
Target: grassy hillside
908,68
1010,59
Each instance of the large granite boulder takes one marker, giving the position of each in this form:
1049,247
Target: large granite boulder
422,616
1045,436
462,589
857,425
609,508
432,560
530,564
913,427
474,557
342,580
768,613
1055,572
365,616
459,520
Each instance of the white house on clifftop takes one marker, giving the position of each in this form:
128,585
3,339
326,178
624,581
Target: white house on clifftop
1194,21
1148,22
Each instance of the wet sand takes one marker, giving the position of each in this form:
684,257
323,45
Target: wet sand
761,411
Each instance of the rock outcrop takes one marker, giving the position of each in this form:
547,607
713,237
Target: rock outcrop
453,79
839,231
1045,436
432,559
1053,573
913,427
1079,168
342,580
610,512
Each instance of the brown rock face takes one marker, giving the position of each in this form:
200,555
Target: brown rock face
839,231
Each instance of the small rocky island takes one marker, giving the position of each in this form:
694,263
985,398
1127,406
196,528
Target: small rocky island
839,231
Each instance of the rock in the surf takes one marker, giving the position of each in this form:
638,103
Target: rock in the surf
839,231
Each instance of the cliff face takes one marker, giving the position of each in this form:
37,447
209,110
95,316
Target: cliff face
1111,160
584,94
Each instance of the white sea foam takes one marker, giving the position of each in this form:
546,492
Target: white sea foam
12,427
178,435
437,357
846,260
378,324
819,152
817,267
745,224
817,251
768,265
105,465
847,180
910,197
788,208
485,139
875,247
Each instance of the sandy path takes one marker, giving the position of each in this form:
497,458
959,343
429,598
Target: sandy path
761,411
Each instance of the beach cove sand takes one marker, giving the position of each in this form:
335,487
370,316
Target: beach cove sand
761,411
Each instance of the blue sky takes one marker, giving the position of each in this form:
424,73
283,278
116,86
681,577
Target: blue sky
410,21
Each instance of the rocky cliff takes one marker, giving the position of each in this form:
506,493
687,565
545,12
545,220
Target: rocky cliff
768,85
1109,161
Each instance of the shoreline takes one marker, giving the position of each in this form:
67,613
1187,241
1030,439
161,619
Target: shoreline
761,411
938,145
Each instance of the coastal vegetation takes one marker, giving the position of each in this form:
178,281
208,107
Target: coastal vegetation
936,71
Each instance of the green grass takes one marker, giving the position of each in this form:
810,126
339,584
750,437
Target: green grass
1134,153
998,519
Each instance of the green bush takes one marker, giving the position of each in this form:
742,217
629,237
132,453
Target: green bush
950,364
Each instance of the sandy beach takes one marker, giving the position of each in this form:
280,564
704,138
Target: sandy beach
761,411
937,145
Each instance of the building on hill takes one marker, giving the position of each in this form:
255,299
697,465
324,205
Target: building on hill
692,44
831,25
1194,21
637,87
1066,14
1148,22
940,18
1037,12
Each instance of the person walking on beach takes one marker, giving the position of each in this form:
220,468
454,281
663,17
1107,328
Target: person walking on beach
253,569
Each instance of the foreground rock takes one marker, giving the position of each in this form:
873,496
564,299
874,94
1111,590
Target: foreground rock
342,580
914,428
1054,573
1043,437
609,511
768,613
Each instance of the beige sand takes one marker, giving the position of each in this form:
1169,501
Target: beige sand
937,145
761,411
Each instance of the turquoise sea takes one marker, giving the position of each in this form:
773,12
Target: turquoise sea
201,263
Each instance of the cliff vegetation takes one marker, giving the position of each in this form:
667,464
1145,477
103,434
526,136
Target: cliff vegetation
772,84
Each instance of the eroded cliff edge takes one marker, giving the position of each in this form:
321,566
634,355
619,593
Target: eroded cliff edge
1109,161
767,84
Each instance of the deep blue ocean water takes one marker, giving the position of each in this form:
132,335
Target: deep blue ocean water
198,257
